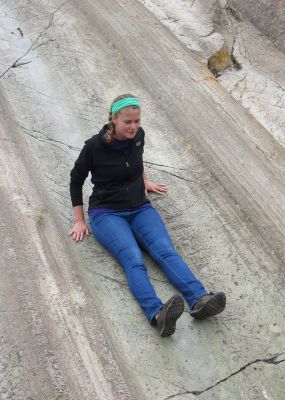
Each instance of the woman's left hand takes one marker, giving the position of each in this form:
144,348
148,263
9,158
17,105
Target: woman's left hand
157,188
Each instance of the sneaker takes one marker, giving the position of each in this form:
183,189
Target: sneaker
168,315
208,305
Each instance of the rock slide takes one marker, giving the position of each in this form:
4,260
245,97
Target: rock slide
70,328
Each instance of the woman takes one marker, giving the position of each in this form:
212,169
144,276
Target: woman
121,217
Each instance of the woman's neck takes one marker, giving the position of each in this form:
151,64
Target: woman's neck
118,138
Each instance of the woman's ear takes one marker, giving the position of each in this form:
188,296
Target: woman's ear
114,118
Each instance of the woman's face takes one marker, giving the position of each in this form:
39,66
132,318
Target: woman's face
127,123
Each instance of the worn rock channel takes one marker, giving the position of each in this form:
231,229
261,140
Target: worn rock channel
69,327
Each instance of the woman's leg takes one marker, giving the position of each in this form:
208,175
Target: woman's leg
151,232
115,234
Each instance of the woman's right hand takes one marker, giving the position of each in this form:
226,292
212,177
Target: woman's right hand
79,230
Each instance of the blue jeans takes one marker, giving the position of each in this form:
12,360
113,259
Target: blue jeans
121,231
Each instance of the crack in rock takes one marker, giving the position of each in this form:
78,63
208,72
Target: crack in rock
238,85
47,140
163,165
60,194
212,31
270,360
124,283
20,64
21,32
34,44
15,83
236,64
233,13
57,141
177,176
159,378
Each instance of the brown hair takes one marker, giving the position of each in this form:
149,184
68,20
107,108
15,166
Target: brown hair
111,127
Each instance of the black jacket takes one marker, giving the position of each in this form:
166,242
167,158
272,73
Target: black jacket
117,178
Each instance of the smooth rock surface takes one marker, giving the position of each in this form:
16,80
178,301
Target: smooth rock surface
70,328
268,16
255,77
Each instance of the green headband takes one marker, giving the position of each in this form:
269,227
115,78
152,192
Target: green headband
128,101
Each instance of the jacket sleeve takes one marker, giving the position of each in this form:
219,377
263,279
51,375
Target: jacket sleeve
142,136
78,175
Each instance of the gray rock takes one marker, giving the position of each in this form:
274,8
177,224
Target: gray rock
267,16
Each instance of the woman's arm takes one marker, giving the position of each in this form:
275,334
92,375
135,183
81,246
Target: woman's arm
153,187
77,177
79,229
